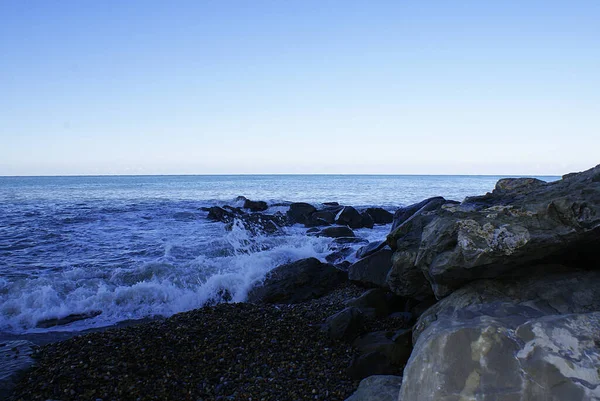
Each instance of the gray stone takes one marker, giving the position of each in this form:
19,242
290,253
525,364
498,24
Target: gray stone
370,248
377,388
373,269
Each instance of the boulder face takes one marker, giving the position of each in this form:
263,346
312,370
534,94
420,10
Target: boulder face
350,217
377,388
372,270
298,281
300,212
444,245
380,215
533,339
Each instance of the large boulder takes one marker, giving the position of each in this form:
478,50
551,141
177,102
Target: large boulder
372,270
350,217
300,212
255,206
298,281
346,325
522,222
336,232
379,215
380,353
532,339
370,249
377,388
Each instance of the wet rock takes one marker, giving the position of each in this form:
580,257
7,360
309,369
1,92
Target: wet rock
377,388
336,232
217,213
344,325
373,269
298,281
349,240
370,249
325,215
331,203
300,212
367,220
46,323
405,213
379,215
255,206
350,217
339,255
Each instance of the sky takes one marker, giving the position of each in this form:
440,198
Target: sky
248,87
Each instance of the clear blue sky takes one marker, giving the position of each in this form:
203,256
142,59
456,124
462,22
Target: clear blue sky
167,87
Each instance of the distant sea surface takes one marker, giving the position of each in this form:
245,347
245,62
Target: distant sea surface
132,247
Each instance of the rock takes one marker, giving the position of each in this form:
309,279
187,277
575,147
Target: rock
373,269
379,347
325,215
344,325
74,317
339,255
367,220
313,221
377,388
517,184
298,281
219,214
255,206
370,249
336,232
379,215
300,212
349,240
405,213
350,217
375,298
521,224
258,223
534,338
331,204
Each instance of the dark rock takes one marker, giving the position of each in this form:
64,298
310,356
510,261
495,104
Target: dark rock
344,325
375,299
370,249
300,212
331,204
343,265
367,220
313,230
258,223
349,240
298,281
255,206
350,217
515,227
219,214
319,219
517,184
336,232
325,215
339,255
46,323
396,346
377,388
373,269
380,216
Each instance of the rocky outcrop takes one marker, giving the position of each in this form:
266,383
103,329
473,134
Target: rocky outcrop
377,388
300,212
445,245
372,270
298,281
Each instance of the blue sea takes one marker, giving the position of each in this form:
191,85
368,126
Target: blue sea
135,247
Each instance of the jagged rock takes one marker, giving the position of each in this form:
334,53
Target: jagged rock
344,325
336,232
370,249
350,217
219,214
255,206
297,282
405,213
535,338
519,224
300,212
377,388
326,215
257,223
373,269
380,216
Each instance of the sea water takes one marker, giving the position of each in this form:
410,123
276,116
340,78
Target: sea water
134,247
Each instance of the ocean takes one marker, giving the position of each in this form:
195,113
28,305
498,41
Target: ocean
120,248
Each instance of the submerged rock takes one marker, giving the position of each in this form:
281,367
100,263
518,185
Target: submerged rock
63,321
